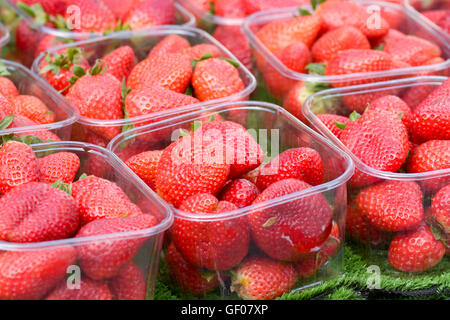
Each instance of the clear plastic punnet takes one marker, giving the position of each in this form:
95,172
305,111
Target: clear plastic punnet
182,17
28,83
142,42
376,193
113,261
266,61
4,35
217,265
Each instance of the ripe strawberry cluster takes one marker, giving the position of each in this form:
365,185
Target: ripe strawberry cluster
337,39
100,16
174,74
211,175
436,11
410,217
42,201
22,110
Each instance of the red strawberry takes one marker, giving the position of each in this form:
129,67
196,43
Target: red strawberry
440,208
392,35
32,108
145,165
61,166
200,50
45,43
189,278
98,97
380,140
235,41
439,17
240,192
7,88
22,121
99,198
413,96
105,258
27,275
230,8
5,107
149,13
120,8
334,123
88,290
189,166
359,229
171,71
334,41
170,44
216,78
18,165
432,155
120,62
358,61
392,205
295,98
359,102
415,250
215,245
253,6
395,105
287,231
260,278
27,40
95,16
412,50
36,212
295,57
299,163
240,149
129,284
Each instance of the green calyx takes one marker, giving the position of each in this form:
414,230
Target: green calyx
340,125
302,12
354,116
316,3
120,26
98,68
66,187
316,68
3,70
124,93
56,62
6,122
209,56
212,7
35,11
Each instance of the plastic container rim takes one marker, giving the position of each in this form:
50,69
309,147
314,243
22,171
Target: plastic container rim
156,32
208,16
361,166
4,36
115,161
257,105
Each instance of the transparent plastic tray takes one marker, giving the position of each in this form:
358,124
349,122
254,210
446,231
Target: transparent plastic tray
4,36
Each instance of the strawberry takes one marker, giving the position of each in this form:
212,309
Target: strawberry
440,208
392,35
95,17
240,149
8,88
415,250
261,278
336,14
309,264
413,96
299,163
26,275
105,258
215,245
200,50
149,13
295,98
361,230
145,165
230,8
120,8
359,61
129,284
340,39
334,123
27,40
45,43
61,166
392,205
295,57
240,192
98,97
22,121
88,290
189,278
252,6
5,107
380,140
439,17
235,41
120,62
170,44
171,71
359,102
412,50
189,166
215,78
287,231
432,155
36,212
99,198
395,105
431,118
32,108
18,165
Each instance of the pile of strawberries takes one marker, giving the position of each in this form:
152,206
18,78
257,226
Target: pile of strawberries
410,217
212,174
42,201
173,74
437,11
21,110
